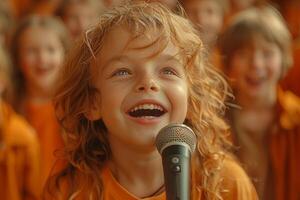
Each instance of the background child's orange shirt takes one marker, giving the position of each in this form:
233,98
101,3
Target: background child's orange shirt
42,118
285,148
19,159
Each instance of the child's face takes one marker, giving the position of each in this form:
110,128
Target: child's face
256,69
208,15
111,3
140,91
41,54
171,4
78,17
242,4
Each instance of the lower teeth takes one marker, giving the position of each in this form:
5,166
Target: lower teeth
147,117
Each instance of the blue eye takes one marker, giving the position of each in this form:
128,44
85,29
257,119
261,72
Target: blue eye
169,71
121,72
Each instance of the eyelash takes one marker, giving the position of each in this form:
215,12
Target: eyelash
169,71
121,72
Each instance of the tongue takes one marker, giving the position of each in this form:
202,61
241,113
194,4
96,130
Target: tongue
146,112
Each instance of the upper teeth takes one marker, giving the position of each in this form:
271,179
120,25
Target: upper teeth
147,106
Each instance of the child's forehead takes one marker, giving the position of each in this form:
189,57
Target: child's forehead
262,39
39,32
254,40
121,41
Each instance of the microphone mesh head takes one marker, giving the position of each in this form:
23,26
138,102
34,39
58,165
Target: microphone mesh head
175,133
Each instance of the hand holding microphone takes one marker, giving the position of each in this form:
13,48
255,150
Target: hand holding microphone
176,143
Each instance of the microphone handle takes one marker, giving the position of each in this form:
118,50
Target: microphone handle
176,165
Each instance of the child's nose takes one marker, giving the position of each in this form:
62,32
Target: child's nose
257,60
43,58
201,18
147,84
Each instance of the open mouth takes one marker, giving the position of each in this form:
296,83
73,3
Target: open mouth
147,111
43,71
254,81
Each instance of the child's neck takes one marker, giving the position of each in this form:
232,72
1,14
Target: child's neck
257,103
37,96
138,172
259,112
256,121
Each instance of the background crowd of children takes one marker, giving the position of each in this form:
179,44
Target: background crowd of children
255,44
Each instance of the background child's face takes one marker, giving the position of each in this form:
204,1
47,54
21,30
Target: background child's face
78,17
141,92
171,4
111,3
207,14
256,69
242,4
41,54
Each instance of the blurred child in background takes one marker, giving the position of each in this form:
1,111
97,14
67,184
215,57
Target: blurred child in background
240,5
257,53
78,15
139,69
209,17
19,148
171,4
38,49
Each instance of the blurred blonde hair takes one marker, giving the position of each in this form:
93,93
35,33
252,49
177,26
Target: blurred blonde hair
47,22
251,24
87,148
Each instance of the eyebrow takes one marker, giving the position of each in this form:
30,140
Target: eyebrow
160,57
121,58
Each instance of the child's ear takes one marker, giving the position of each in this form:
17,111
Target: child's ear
94,108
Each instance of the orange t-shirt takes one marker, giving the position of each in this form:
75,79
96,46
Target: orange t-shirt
19,158
285,148
235,186
42,118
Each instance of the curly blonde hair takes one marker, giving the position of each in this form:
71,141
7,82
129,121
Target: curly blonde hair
87,147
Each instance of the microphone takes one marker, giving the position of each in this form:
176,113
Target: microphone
176,143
